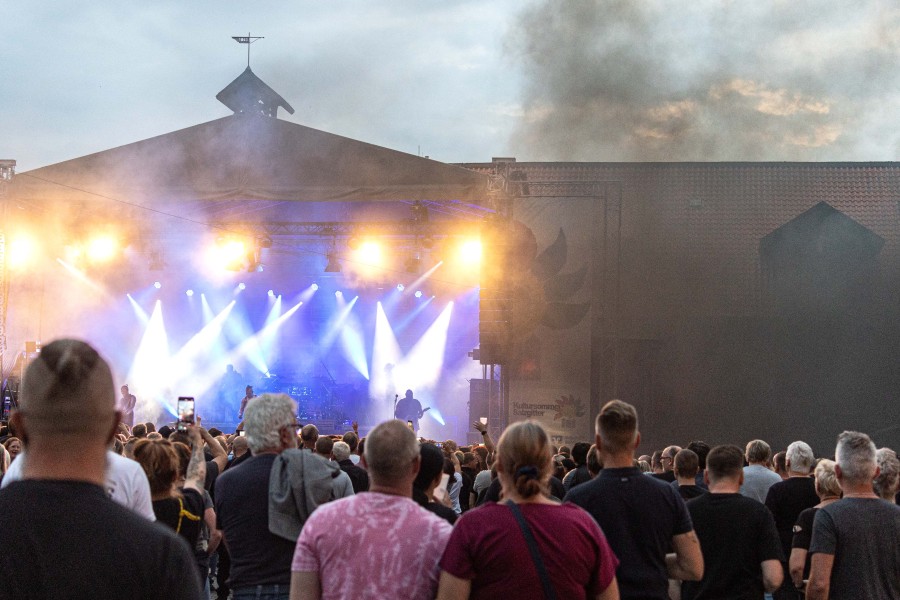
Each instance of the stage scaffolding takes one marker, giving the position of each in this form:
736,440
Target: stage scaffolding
7,172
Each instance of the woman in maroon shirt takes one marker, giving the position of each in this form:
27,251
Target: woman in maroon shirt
488,556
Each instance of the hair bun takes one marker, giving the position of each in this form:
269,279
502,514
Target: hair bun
528,472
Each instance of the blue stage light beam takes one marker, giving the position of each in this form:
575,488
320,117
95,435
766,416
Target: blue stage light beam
335,324
383,381
421,367
353,344
408,318
309,292
139,312
268,346
424,277
436,415
195,353
207,379
208,314
149,377
83,278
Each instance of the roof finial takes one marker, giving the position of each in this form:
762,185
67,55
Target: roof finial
240,39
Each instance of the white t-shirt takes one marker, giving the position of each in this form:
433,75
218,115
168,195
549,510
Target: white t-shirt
126,482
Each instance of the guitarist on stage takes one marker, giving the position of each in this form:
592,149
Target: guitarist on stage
409,409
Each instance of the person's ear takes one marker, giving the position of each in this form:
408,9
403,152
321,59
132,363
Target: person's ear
114,428
838,472
417,464
637,440
287,438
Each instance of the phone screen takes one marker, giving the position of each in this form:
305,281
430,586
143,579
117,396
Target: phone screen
185,412
440,492
409,424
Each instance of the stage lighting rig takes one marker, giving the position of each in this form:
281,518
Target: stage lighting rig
334,265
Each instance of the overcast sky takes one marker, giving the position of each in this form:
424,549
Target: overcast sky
462,81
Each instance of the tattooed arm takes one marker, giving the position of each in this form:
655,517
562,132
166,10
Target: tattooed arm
196,469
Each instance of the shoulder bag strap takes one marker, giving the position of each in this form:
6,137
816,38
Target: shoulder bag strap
549,594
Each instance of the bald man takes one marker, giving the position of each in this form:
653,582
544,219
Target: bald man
61,531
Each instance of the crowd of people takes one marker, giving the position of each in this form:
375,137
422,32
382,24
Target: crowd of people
93,507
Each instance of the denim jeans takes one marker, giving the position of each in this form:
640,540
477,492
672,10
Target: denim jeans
272,591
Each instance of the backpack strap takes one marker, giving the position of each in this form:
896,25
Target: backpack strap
549,593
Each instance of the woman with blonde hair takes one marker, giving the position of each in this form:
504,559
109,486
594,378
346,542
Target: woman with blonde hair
828,490
527,546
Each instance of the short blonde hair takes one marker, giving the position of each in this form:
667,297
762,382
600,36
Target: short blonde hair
826,480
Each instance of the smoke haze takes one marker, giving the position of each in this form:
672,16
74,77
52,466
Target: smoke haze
674,80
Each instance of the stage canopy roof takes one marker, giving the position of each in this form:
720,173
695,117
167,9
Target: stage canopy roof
246,157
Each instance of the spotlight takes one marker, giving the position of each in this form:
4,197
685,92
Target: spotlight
242,286
370,252
102,248
189,293
21,251
334,265
418,293
157,284
339,294
271,293
400,287
314,287
232,254
470,251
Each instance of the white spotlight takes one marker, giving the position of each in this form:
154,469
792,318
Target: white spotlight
314,286
418,293
242,286
339,294
271,293
189,293
157,284
400,287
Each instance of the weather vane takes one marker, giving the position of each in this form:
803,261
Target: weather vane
246,39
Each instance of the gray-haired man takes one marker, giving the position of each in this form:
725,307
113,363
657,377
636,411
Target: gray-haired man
854,540
260,560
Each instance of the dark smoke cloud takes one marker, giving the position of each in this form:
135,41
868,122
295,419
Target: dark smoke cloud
685,80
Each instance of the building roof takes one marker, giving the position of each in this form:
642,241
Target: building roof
250,95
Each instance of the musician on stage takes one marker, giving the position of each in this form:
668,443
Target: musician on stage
248,396
409,409
126,405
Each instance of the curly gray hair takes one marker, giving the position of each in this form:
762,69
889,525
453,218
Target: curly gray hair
265,417
886,483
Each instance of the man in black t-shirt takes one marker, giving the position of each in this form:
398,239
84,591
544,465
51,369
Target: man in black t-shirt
62,536
642,517
787,499
741,550
687,465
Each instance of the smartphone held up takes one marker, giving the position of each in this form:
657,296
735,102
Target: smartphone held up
185,410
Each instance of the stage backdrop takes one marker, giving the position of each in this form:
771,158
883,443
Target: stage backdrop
550,374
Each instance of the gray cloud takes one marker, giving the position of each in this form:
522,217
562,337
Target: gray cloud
683,80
